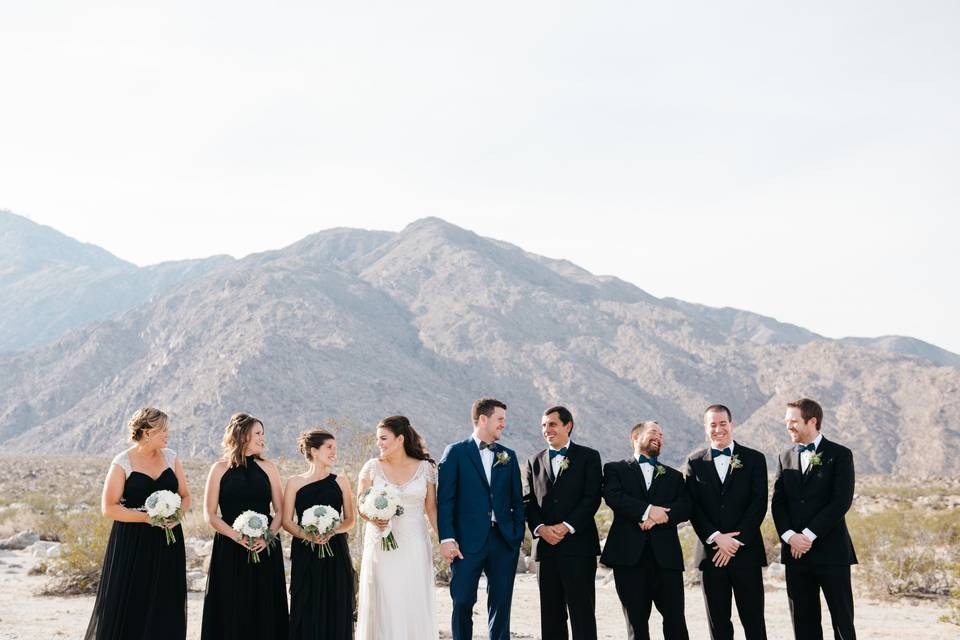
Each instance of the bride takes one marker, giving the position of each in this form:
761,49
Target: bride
396,587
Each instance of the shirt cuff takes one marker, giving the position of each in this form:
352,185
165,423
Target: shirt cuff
646,513
535,534
809,534
445,540
712,537
567,525
787,535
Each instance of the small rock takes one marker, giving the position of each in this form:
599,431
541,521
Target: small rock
19,541
44,549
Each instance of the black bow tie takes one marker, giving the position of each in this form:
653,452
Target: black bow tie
720,452
806,447
562,451
486,445
651,461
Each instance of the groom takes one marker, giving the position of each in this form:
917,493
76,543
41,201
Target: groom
480,517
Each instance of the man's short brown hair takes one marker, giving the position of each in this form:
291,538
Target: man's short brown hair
642,426
485,407
808,409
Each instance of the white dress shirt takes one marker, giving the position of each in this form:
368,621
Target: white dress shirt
647,470
804,463
722,465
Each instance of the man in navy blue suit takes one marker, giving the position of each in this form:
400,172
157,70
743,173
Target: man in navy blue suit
480,517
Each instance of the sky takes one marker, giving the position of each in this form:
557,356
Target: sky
800,162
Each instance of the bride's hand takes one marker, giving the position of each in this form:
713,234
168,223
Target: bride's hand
380,524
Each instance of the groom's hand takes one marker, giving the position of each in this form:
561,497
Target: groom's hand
548,535
450,551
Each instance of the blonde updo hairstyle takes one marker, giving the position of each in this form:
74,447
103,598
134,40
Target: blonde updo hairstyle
313,439
235,437
144,420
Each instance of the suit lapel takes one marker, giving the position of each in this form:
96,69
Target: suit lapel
711,471
818,451
473,452
633,464
544,474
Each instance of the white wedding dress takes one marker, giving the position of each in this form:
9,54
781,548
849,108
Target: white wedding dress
396,587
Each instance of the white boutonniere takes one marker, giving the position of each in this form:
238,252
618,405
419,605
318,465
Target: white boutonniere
735,463
502,458
814,460
659,471
564,463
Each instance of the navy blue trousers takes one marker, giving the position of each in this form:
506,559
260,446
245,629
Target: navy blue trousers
497,560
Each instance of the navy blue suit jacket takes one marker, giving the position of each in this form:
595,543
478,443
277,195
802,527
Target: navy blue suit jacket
465,499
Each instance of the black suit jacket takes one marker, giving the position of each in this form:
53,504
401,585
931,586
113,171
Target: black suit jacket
737,504
572,497
817,500
626,494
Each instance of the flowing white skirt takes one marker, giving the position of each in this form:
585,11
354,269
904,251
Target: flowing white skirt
396,587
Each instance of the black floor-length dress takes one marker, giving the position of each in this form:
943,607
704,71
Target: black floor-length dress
321,589
244,599
143,584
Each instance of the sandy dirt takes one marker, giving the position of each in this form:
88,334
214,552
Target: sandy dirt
27,616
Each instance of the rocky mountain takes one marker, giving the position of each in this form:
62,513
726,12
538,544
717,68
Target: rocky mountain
362,324
52,283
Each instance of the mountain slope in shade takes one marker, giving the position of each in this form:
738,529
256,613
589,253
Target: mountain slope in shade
52,284
366,324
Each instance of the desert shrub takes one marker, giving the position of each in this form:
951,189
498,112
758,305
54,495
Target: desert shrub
918,566
953,613
84,539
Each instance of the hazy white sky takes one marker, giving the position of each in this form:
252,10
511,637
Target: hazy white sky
799,162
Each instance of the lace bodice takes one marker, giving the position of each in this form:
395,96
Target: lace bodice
122,460
412,492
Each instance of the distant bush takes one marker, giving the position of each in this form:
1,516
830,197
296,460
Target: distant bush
918,565
77,569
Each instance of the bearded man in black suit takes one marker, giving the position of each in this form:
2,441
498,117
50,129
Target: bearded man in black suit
648,500
811,496
727,484
563,484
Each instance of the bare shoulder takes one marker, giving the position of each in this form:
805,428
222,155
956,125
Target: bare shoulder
269,466
344,481
218,468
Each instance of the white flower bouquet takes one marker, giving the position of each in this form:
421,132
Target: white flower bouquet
382,504
163,508
252,526
320,520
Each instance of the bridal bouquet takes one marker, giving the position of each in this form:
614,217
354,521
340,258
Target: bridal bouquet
163,508
320,520
382,504
252,526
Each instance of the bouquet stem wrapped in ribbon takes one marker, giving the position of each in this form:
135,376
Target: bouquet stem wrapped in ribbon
253,526
382,504
320,520
163,508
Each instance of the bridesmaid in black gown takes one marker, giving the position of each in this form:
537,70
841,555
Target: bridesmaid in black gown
243,599
143,584
321,589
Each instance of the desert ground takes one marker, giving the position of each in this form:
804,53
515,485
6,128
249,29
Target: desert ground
24,615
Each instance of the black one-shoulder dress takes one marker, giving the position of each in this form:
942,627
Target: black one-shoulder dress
321,589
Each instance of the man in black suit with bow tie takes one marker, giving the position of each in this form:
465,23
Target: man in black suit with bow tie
727,484
811,496
563,484
648,500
